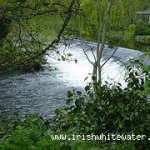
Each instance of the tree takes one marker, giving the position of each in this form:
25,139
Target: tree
109,15
104,8
29,28
34,27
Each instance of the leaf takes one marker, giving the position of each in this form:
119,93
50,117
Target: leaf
87,88
57,111
69,100
120,124
78,103
69,94
79,93
94,78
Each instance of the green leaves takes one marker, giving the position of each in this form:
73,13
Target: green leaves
110,109
69,97
116,110
87,88
69,94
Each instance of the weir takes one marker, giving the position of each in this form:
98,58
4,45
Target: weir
44,91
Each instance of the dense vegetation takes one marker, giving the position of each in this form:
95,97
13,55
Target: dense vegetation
111,110
29,29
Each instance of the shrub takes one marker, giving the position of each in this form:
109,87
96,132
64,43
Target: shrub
31,134
111,110
15,59
108,109
129,36
143,29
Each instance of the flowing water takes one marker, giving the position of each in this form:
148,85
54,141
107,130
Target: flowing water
44,91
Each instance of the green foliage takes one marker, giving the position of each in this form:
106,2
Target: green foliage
8,57
12,58
143,29
118,21
114,38
34,134
5,22
108,109
31,134
25,28
112,110
130,36
143,5
131,7
29,25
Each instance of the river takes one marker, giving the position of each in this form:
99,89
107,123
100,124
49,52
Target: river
44,91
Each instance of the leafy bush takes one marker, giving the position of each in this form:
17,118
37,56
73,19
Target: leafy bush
143,29
111,110
129,36
14,58
31,134
108,109
34,134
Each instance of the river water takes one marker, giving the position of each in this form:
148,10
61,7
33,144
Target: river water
44,91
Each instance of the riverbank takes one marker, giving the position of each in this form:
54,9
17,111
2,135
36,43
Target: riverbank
112,111
23,92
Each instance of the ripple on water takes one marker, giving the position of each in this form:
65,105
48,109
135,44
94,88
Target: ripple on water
43,91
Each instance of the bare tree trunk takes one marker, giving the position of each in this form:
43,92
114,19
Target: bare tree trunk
103,24
101,41
103,21
102,46
98,57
